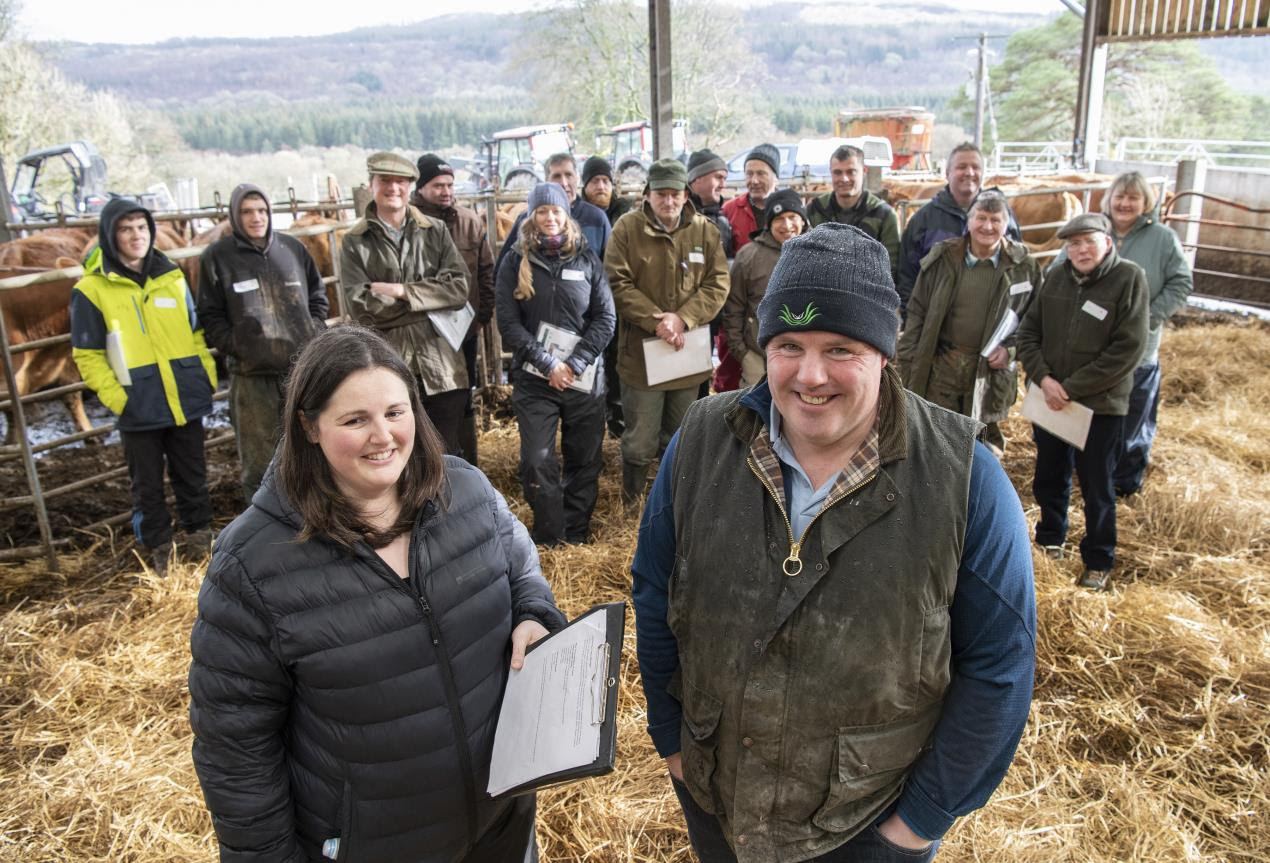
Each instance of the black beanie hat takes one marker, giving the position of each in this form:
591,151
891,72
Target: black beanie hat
594,167
769,154
431,166
783,201
834,278
704,162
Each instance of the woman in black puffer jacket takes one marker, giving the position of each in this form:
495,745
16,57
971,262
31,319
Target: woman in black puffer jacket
550,277
354,634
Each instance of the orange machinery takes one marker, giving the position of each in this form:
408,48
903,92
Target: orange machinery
908,129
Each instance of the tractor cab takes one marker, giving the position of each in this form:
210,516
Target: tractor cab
630,148
517,157
73,175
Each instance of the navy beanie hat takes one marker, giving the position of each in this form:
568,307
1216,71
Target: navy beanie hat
834,278
548,193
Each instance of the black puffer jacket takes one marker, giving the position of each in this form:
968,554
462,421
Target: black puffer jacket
330,698
571,293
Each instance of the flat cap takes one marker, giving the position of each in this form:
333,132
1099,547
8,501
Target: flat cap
1083,224
391,165
667,174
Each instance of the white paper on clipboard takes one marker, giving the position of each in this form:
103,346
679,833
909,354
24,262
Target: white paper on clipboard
1070,424
453,324
553,708
116,358
663,363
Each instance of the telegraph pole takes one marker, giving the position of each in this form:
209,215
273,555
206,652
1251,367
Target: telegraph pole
981,88
662,112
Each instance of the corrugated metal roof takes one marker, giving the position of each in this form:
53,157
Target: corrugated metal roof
1145,20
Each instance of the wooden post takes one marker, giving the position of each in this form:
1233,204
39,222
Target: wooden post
661,114
18,417
1191,174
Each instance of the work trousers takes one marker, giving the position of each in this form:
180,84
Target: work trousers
180,449
255,409
467,431
868,846
446,411
1052,488
652,417
562,503
613,390
1139,429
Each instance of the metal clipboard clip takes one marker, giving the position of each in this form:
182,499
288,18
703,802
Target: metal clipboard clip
601,690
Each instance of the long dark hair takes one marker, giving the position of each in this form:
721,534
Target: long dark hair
303,472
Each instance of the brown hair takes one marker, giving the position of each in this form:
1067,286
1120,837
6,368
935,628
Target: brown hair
304,475
529,238
845,152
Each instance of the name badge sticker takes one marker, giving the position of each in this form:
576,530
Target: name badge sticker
1020,288
245,286
573,275
1092,308
696,258
165,302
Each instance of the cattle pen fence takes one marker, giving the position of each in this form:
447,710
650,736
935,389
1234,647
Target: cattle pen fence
1184,210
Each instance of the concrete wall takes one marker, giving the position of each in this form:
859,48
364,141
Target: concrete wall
1246,186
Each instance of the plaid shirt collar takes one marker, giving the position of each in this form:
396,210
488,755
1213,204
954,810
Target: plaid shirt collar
860,467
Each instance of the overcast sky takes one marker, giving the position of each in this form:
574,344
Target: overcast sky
155,20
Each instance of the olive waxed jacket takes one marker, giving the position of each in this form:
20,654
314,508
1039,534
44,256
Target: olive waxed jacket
428,264
1088,332
1017,278
653,270
807,699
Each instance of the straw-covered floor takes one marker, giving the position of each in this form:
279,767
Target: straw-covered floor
1147,740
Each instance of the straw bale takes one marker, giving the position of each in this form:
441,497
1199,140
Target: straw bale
1148,738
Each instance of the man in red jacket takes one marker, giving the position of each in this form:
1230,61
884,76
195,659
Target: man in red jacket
745,212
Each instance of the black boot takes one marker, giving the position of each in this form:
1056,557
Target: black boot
634,479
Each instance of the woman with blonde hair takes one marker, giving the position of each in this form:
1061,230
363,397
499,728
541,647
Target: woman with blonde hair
355,633
1140,237
555,313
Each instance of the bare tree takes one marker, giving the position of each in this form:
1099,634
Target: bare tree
588,63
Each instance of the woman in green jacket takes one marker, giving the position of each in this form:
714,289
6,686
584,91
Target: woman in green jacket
957,349
1140,237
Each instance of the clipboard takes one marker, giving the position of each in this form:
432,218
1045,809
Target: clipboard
600,710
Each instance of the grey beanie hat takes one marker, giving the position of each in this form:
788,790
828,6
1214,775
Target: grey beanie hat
768,154
548,194
704,162
834,278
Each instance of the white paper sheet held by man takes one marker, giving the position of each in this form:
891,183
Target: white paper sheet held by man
664,363
1070,424
553,708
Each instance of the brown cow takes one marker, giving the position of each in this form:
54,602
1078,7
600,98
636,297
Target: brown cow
36,312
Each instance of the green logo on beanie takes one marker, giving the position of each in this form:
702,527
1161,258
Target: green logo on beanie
809,314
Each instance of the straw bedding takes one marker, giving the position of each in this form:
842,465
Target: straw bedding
1147,741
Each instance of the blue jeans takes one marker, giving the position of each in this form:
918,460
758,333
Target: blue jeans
1052,488
1139,429
868,846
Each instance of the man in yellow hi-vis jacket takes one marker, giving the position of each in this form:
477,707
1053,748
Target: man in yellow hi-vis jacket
137,342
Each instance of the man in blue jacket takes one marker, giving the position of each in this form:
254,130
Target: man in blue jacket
944,216
833,590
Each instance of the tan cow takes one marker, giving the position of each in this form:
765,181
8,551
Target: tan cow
36,312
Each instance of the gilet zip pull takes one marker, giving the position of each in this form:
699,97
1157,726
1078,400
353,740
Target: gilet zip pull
793,564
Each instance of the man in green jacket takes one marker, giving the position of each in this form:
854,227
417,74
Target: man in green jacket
136,339
969,288
668,274
852,204
1080,341
398,268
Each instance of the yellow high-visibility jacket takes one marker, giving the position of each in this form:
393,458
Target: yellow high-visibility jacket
140,347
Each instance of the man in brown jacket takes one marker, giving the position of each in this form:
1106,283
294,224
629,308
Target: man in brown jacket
1080,341
434,196
396,267
668,274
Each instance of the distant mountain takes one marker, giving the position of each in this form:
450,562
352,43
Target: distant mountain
828,50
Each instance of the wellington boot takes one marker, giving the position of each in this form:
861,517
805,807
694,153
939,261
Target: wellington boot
159,557
634,480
